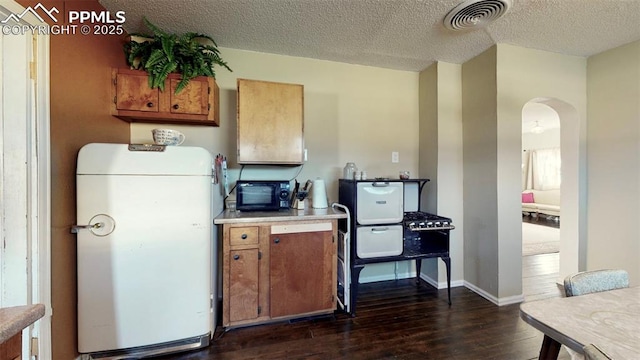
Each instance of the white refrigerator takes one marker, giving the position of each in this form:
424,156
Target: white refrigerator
144,250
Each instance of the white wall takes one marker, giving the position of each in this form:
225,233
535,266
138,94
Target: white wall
614,160
352,113
548,139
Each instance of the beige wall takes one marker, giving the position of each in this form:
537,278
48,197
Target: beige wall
428,130
560,82
614,160
441,158
479,120
352,113
496,86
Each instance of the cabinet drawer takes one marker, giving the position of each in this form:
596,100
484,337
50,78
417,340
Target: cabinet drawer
243,236
379,241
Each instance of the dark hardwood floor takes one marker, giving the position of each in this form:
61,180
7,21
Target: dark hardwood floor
400,320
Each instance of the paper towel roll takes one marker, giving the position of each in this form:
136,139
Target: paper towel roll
319,194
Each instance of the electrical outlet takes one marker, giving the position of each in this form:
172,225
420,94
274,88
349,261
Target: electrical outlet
395,157
305,155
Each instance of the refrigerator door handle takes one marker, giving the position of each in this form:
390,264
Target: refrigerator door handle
76,228
99,225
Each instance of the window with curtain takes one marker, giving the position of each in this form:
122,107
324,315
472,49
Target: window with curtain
541,169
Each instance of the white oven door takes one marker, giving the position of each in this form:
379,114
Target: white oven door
379,241
380,202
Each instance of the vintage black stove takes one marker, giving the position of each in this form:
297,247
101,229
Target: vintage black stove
422,235
427,236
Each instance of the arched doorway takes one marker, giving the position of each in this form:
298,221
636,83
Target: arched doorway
541,181
572,188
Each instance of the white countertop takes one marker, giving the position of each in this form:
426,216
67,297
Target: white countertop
234,217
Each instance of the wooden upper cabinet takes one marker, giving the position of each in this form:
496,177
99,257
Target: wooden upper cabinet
133,100
133,93
270,122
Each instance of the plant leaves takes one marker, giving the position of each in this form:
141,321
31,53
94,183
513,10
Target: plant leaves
190,54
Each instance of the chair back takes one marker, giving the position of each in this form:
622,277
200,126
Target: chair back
595,281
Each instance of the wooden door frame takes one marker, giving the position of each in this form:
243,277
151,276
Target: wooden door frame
38,178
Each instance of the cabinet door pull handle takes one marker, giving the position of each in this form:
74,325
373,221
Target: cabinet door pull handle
176,106
379,230
276,240
149,104
244,236
236,257
380,184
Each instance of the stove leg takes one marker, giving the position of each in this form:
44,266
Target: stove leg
355,281
447,263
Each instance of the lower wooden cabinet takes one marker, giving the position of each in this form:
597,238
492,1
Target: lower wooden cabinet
243,284
12,348
301,273
278,270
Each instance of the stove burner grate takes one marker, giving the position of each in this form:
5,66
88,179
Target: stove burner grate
423,221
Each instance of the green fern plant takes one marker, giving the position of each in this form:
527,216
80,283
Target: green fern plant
162,53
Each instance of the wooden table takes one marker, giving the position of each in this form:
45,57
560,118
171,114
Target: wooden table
609,319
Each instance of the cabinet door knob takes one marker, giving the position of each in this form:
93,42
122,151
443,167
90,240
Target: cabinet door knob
236,257
244,236
176,106
276,240
149,104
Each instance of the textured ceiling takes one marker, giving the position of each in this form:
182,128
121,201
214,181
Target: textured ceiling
395,34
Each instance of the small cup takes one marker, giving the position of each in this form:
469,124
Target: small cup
404,175
231,205
167,137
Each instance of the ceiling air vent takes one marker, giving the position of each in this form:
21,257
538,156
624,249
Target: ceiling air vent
475,14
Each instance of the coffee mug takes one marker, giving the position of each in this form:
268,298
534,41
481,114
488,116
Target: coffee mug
167,137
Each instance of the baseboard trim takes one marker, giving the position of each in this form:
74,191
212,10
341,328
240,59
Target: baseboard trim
440,284
509,300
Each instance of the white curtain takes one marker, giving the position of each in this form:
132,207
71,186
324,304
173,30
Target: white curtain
541,169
